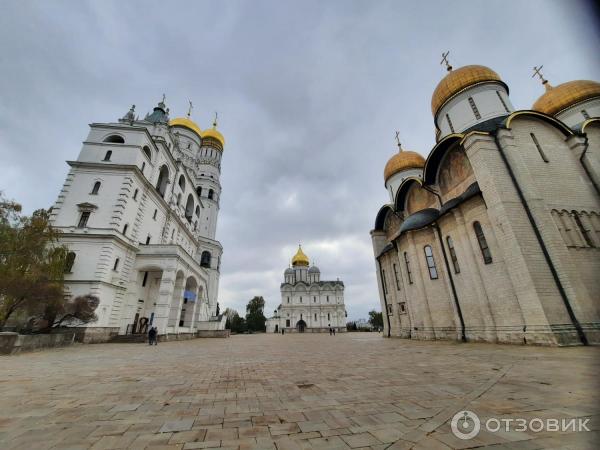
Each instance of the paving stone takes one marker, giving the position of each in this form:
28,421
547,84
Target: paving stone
242,392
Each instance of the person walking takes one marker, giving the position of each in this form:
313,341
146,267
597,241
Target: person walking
333,331
152,336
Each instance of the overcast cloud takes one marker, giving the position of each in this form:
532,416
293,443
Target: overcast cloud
309,95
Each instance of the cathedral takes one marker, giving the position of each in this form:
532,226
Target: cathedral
495,236
138,212
307,303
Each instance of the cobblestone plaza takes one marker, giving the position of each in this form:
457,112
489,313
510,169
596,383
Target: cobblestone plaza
293,392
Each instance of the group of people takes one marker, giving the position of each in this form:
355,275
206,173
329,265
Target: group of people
153,336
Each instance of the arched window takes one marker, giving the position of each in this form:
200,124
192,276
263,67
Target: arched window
163,180
96,188
147,152
483,245
189,208
205,259
453,254
199,191
107,156
114,139
211,194
182,182
70,260
135,194
430,262
197,211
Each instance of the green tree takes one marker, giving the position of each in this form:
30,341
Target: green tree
234,322
32,266
376,319
255,317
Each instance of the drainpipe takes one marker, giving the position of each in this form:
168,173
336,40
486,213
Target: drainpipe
585,167
389,333
542,244
435,225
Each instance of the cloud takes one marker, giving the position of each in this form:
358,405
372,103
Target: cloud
309,95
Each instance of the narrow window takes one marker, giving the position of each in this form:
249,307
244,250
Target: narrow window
408,272
116,266
474,108
154,215
147,152
96,188
539,147
485,250
199,191
70,260
449,123
328,316
107,156
182,182
211,194
145,279
453,254
148,239
143,166
582,229
328,299
383,280
396,277
135,193
315,317
502,101
83,220
300,299
205,259
288,299
402,307
430,262
585,114
390,310
314,299
125,229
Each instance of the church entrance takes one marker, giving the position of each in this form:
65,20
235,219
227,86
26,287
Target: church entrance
301,326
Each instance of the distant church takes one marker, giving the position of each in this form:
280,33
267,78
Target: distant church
495,236
138,211
307,303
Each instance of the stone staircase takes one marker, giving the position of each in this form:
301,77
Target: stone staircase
129,338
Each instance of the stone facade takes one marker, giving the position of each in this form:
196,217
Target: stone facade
138,211
498,238
307,303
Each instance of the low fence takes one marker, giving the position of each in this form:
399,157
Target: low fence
11,343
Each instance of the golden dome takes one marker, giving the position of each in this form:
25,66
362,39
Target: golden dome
215,134
561,97
300,259
403,160
186,122
459,79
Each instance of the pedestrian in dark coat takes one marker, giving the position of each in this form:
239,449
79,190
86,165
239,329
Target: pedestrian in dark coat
152,336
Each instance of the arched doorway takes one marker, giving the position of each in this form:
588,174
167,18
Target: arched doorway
301,326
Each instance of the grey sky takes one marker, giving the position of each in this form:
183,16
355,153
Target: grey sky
309,95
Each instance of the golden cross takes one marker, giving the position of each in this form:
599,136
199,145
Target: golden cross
190,109
445,60
398,140
537,72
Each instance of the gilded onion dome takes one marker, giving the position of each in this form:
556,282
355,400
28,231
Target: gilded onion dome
563,96
214,134
458,80
403,160
186,122
300,259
